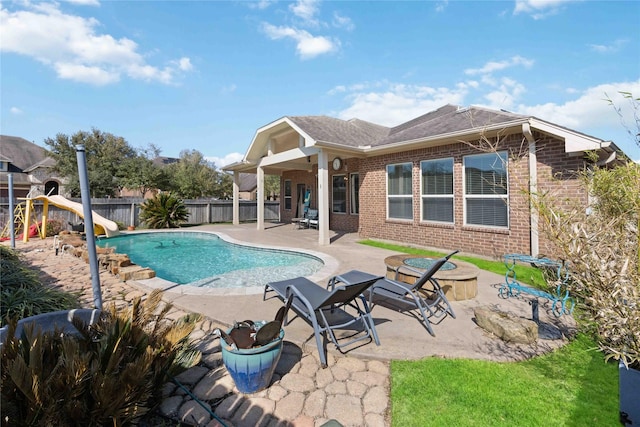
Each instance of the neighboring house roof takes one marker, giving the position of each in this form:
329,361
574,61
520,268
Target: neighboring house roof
162,160
21,153
248,182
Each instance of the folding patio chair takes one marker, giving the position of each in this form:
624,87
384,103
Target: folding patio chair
326,309
431,302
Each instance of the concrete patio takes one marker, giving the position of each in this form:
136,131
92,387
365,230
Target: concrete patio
402,336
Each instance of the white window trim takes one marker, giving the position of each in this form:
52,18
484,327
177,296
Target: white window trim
439,196
389,196
466,196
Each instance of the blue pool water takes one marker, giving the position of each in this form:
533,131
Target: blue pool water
206,260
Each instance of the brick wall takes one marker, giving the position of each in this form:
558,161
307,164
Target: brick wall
556,173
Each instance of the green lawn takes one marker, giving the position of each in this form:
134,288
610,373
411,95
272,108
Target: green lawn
572,386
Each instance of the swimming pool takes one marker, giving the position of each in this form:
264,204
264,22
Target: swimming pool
207,261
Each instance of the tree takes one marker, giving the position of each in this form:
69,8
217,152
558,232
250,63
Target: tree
271,186
142,174
105,154
192,176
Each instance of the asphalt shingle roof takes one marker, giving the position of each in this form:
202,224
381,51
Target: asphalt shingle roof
445,120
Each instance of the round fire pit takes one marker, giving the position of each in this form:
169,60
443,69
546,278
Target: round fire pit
459,279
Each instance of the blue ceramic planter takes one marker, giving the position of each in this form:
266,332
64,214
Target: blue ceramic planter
252,368
629,395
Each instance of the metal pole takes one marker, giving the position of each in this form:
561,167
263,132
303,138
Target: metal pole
88,225
12,219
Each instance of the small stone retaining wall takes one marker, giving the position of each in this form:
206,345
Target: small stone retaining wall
117,264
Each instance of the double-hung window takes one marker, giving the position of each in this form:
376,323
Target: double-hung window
354,182
437,190
399,191
287,194
339,194
486,191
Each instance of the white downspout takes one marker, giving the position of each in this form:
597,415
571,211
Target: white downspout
533,188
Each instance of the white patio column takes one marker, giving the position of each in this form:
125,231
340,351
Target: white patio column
323,198
236,197
260,198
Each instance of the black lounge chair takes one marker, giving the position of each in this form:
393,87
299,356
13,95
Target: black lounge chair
325,309
430,301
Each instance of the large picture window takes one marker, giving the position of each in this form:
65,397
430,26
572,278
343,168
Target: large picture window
399,191
287,194
339,194
437,190
354,182
485,195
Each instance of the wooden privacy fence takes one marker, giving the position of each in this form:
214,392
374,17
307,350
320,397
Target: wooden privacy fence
126,211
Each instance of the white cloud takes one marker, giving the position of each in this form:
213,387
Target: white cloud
492,66
610,48
345,22
306,10
261,5
587,111
539,9
221,162
71,46
441,5
398,103
84,2
228,89
591,108
15,110
308,46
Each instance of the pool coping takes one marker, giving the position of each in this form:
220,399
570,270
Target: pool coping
330,267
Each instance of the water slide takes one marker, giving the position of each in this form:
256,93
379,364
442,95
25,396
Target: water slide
101,225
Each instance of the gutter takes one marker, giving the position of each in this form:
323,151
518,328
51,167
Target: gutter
533,189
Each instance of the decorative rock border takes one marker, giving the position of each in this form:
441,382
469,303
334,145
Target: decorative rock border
117,264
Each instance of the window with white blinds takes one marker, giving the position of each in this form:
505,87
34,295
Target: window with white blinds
437,190
399,191
486,189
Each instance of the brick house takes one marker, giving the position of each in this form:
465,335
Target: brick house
31,167
454,178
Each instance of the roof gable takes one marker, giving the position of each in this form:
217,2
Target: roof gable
21,153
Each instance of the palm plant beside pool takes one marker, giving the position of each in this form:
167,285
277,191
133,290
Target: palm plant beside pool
165,210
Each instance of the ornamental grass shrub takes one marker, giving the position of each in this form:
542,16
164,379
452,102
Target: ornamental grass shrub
112,373
602,246
23,295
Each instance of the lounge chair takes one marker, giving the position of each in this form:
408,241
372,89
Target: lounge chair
429,300
325,309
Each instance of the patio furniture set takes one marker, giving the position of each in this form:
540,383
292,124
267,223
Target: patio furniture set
341,312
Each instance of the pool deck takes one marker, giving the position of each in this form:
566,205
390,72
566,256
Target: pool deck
354,389
401,334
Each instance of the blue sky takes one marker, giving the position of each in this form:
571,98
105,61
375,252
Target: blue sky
205,75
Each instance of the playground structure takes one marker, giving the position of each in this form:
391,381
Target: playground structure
25,220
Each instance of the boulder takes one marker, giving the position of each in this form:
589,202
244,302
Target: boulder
505,326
